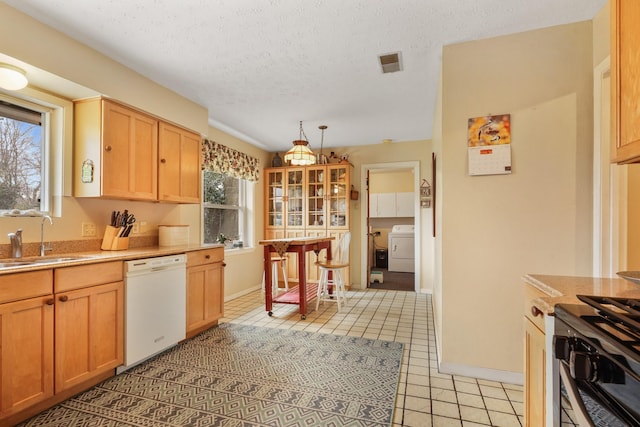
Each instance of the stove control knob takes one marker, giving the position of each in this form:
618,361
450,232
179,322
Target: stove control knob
562,347
583,366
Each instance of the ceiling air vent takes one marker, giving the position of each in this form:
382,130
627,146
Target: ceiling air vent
390,63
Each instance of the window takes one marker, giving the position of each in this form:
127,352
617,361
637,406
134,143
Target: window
23,156
227,205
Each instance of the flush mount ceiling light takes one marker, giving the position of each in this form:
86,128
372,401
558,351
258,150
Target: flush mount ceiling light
300,154
12,78
390,63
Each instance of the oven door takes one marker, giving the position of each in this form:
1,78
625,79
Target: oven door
600,388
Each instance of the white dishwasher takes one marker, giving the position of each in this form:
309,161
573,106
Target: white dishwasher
155,307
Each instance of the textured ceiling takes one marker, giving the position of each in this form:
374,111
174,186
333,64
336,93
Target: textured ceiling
260,66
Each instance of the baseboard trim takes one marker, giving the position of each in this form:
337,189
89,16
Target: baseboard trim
482,373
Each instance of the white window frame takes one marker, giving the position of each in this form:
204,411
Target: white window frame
57,134
245,208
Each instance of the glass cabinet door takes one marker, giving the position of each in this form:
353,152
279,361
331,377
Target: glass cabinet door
275,198
316,198
338,197
295,198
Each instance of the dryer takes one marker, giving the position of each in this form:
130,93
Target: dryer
401,248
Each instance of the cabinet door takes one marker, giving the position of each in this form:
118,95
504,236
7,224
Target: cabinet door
404,204
338,187
315,192
274,199
26,351
179,165
129,153
89,333
535,369
625,79
373,205
295,199
205,296
386,205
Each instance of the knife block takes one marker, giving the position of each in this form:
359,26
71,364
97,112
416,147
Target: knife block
111,241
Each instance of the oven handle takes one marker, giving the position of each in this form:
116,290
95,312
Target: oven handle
579,410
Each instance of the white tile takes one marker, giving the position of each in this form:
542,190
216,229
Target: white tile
404,317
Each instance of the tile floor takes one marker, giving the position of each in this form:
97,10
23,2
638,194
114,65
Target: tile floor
426,398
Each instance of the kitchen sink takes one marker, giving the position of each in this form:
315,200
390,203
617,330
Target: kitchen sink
9,264
21,262
47,260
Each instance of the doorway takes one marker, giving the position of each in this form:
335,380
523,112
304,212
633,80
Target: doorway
391,226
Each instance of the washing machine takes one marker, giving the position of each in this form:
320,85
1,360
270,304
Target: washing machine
401,255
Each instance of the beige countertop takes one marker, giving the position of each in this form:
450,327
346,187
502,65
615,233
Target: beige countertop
101,256
563,289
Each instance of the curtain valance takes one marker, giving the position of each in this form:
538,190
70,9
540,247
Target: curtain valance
222,159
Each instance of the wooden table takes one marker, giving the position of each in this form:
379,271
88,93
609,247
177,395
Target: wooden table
302,293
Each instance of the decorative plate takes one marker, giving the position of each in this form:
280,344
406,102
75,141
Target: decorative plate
632,276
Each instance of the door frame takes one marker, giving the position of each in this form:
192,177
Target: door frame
364,255
609,184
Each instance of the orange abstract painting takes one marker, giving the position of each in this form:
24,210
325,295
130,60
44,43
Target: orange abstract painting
489,130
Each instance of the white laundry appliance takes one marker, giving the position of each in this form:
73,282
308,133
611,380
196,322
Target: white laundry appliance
401,248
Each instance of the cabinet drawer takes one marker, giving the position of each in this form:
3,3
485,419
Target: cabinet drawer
530,294
82,276
18,286
205,256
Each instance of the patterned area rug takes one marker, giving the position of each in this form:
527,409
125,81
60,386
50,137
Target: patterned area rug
236,375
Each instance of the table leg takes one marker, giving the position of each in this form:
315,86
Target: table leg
268,286
302,287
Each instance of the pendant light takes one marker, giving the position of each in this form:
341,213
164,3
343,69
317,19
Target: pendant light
300,154
12,78
321,158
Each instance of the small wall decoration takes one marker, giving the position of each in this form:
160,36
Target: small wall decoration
87,171
425,194
489,145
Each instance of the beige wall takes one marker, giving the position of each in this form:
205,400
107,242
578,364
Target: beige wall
392,181
601,36
497,228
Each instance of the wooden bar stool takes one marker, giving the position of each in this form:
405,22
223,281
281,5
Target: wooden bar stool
335,266
277,262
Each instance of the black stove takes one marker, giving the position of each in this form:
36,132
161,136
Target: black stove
598,346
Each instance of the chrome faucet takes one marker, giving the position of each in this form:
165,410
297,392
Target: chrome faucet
16,243
42,248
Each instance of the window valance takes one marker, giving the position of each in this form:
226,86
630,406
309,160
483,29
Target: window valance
222,159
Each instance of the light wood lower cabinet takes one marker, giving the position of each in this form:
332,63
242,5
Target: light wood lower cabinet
27,353
61,332
205,289
535,365
89,333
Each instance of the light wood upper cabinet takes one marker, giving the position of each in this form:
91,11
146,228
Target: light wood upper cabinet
122,145
179,164
124,153
625,80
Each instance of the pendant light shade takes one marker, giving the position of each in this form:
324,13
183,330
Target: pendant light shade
12,78
300,154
